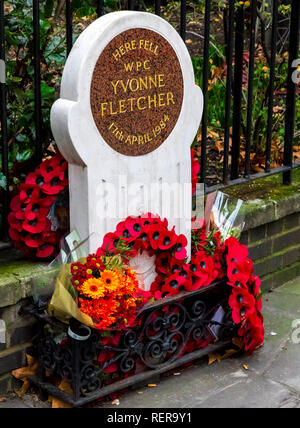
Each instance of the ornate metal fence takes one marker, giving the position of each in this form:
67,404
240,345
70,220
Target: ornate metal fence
158,343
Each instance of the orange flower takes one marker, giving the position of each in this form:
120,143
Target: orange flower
110,277
93,288
113,302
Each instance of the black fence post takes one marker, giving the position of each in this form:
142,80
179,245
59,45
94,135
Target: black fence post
37,81
229,56
131,4
100,8
205,90
291,91
3,118
271,84
183,19
69,26
250,87
157,7
237,91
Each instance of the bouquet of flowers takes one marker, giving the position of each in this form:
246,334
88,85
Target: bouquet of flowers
100,291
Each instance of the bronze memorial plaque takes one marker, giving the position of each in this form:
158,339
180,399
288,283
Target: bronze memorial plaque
136,91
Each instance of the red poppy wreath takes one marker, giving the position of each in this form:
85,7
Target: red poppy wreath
33,220
211,259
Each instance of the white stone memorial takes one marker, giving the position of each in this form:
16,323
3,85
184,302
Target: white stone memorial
127,114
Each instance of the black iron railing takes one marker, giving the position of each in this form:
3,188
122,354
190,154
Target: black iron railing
156,345
236,43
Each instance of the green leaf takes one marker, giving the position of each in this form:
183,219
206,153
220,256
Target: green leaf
3,181
25,155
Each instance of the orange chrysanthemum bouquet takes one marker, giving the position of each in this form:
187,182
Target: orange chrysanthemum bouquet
99,291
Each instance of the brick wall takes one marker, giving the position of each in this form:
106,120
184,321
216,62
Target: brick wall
275,248
18,337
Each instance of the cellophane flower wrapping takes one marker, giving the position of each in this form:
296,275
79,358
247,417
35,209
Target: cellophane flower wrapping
227,216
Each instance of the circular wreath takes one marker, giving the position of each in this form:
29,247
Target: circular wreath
31,217
211,259
31,226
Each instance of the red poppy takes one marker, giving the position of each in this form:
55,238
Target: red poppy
167,239
162,263
35,178
180,249
14,234
14,222
255,284
36,209
51,237
37,225
242,304
123,233
157,295
218,261
155,231
175,265
16,205
157,220
203,269
45,251
51,165
239,280
30,192
190,281
54,183
110,243
130,229
134,226
147,219
145,295
34,240
236,251
244,268
252,331
174,284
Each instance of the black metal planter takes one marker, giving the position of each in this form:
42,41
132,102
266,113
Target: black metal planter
156,345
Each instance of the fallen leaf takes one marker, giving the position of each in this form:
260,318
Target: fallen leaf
257,168
212,357
2,399
24,372
116,402
218,146
238,341
58,404
245,367
152,385
229,353
140,392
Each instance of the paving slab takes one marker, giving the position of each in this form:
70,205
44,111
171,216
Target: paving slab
286,367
